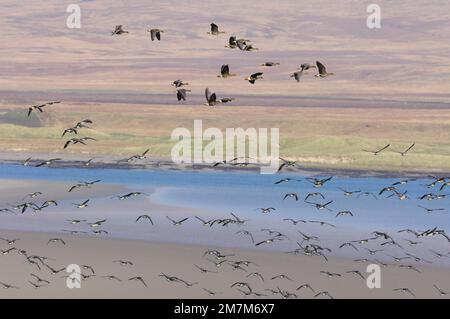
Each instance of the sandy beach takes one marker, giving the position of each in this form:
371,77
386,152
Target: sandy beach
150,259
160,253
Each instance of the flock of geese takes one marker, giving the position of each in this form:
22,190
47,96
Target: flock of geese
233,43
305,244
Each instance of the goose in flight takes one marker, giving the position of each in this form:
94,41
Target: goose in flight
266,210
35,107
40,280
179,222
56,240
112,277
285,180
76,221
405,290
254,77
118,30
83,184
212,293
286,163
215,30
376,152
270,64
321,206
306,286
344,213
155,34
440,291
243,46
291,195
314,195
431,210
70,130
48,162
267,241
145,217
138,156
8,286
322,71
82,205
225,72
246,233
307,66
182,94
295,222
97,223
75,141
10,242
129,195
211,99
40,107
234,42
282,276
349,193
297,75
407,150
204,271
27,161
256,274
319,182
179,83
330,274
138,279
83,124
123,262
357,273
322,223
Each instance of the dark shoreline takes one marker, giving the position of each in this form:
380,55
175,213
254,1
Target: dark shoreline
165,164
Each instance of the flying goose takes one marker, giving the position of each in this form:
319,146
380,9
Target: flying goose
246,233
297,75
97,223
179,222
203,270
295,222
40,280
182,94
225,72
123,262
82,205
322,71
118,30
139,279
321,206
270,64
215,30
179,83
83,124
145,217
378,151
254,77
75,141
155,34
35,107
344,213
70,130
407,150
48,162
307,286
289,195
319,182
56,240
405,290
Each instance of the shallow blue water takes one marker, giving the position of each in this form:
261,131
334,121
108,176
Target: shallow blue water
244,193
